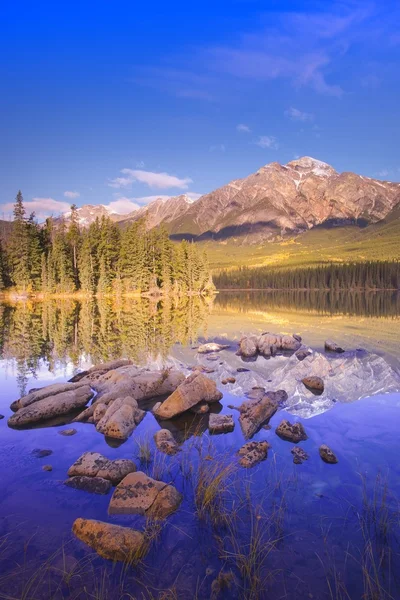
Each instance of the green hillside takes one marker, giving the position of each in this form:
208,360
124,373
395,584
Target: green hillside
320,245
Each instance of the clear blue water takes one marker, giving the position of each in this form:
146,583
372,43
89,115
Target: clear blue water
316,530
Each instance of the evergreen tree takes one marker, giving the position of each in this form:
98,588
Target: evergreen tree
19,247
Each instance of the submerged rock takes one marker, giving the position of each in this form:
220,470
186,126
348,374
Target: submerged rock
47,468
196,388
291,433
221,424
93,464
67,432
201,408
314,383
93,485
39,453
112,542
51,406
202,369
333,347
139,494
165,442
1,417
299,455
327,455
211,347
255,413
252,453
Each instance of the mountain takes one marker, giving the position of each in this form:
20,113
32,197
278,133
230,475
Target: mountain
160,211
90,212
283,199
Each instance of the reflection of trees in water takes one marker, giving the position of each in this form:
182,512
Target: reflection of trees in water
365,304
59,332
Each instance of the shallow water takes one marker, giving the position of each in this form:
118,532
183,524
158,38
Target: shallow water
301,531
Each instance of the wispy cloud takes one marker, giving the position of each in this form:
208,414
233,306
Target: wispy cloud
42,207
153,180
218,148
298,115
71,195
242,128
267,141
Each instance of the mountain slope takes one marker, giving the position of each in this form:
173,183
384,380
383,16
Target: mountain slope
281,199
160,211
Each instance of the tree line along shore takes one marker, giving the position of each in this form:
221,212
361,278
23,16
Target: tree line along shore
102,259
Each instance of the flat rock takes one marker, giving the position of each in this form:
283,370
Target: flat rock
331,346
52,406
196,388
139,494
291,432
37,394
93,464
253,453
221,424
93,485
112,542
257,412
314,383
67,432
165,442
299,455
211,347
327,455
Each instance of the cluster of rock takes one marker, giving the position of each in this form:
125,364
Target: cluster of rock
268,344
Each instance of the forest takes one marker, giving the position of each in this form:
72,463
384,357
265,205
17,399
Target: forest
371,275
63,258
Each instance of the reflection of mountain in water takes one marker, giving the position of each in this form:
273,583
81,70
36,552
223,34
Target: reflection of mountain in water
67,331
365,304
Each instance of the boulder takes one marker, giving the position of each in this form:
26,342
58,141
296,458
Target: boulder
303,353
165,442
257,412
291,433
314,383
196,388
252,453
211,347
112,542
139,494
100,410
327,455
248,346
93,464
201,408
221,424
121,418
41,393
51,406
299,456
93,485
331,346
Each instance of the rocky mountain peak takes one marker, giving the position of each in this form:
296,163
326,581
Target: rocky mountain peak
311,166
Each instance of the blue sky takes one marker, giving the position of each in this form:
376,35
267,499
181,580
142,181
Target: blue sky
119,102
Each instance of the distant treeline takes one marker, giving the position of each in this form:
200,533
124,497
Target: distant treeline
372,275
101,259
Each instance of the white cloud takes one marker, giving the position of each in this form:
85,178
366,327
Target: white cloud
153,180
42,207
242,128
267,141
72,195
298,115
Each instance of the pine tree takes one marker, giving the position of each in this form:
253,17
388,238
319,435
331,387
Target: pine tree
19,247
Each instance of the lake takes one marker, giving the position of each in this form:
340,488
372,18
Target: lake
278,530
